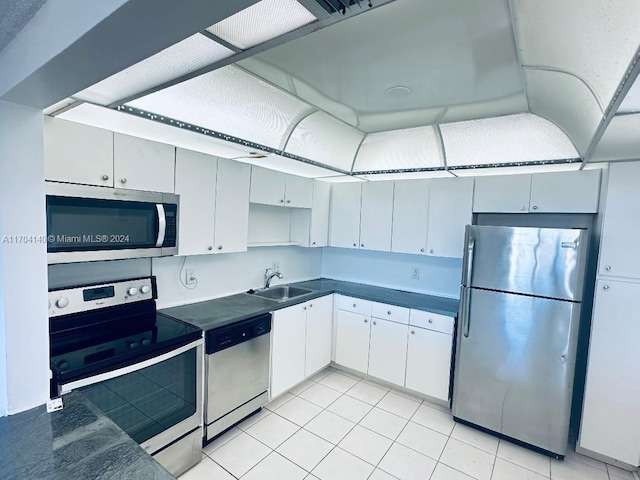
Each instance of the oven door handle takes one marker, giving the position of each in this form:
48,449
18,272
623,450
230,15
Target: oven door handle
162,224
83,382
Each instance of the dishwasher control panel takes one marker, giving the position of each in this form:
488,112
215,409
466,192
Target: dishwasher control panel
230,335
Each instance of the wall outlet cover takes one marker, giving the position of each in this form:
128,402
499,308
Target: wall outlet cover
190,276
54,405
415,273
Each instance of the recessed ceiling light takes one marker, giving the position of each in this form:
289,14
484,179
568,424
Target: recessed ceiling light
397,91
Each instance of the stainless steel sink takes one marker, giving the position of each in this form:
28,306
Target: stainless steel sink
282,294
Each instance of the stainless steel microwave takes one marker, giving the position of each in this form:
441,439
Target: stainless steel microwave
97,223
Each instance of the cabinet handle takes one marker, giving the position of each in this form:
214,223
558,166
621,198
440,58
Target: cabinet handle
422,250
313,243
288,201
310,305
431,251
535,207
209,248
413,332
366,321
282,200
389,312
219,247
304,308
123,180
105,177
430,320
354,305
605,287
362,245
375,323
608,268
355,244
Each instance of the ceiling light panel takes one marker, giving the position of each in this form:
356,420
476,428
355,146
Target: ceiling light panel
400,149
631,101
263,21
288,165
481,172
621,139
186,56
229,101
324,139
513,138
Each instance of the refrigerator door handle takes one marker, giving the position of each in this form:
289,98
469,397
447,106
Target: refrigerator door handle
471,244
468,271
466,301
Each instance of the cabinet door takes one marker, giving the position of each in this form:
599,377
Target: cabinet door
345,215
77,153
196,185
319,334
232,206
502,194
565,192
410,216
429,362
375,217
352,340
450,201
320,214
388,351
267,186
141,164
611,410
287,348
298,191
618,254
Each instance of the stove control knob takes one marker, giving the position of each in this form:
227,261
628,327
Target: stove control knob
132,291
63,365
62,302
146,341
145,289
133,345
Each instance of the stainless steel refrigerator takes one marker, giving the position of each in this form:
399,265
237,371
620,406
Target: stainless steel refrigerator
517,332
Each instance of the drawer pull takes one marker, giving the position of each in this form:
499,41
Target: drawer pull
389,312
375,323
354,305
413,332
430,320
366,321
605,287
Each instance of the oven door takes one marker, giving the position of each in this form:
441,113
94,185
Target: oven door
156,402
94,223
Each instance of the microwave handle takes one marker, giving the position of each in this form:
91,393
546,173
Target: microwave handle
162,224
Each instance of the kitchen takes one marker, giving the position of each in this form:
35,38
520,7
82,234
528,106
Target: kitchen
256,232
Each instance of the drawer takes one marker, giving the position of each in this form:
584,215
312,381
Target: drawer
431,321
390,312
355,305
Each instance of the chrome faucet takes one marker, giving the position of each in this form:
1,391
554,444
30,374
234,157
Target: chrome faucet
268,276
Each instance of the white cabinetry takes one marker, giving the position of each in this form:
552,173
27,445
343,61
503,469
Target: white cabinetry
310,228
288,337
558,192
141,164
619,252
450,202
352,340
345,215
388,350
429,354
410,216
271,187
301,338
611,410
77,153
232,206
375,216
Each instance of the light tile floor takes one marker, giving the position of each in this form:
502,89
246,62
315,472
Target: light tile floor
340,427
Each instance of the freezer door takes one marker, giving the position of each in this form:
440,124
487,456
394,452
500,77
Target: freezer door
514,366
546,262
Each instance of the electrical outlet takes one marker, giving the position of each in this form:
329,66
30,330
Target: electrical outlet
190,276
276,266
415,273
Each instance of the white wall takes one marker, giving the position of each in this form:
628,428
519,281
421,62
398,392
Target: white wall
438,276
220,275
23,265
3,362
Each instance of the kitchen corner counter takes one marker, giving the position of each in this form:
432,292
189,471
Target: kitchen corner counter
224,311
78,442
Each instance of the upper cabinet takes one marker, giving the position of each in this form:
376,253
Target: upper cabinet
450,210
345,215
375,216
77,153
310,228
271,187
141,164
559,192
410,216
618,254
214,203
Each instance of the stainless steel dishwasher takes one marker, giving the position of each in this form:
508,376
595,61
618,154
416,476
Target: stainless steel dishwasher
237,370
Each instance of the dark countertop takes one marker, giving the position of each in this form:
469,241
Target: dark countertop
226,310
77,442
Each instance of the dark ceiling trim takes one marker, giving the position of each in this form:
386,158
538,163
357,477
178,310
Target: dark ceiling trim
623,88
221,41
154,117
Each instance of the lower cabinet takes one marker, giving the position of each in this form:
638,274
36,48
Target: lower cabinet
301,338
429,362
352,340
388,351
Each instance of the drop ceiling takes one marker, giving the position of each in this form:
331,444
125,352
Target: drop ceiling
482,84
